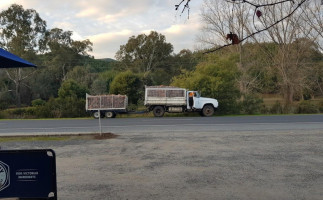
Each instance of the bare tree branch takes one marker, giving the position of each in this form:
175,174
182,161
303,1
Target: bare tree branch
185,7
257,13
264,29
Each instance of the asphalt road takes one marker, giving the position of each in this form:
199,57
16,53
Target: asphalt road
160,125
245,158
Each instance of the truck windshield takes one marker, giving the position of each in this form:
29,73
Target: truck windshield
196,94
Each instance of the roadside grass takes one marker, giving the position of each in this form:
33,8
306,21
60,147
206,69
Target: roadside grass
94,136
33,138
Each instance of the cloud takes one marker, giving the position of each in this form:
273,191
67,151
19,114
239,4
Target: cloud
107,44
109,24
5,3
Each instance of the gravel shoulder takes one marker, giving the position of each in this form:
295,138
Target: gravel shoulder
206,165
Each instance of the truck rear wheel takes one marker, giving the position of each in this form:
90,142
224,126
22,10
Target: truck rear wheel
208,111
159,111
110,114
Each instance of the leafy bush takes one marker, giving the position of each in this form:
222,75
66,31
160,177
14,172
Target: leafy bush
321,106
251,104
62,107
70,103
277,108
70,88
307,107
38,102
128,83
19,113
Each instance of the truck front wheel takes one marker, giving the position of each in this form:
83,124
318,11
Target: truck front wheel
96,115
208,111
159,111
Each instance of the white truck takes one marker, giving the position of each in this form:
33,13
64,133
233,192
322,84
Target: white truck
161,99
158,99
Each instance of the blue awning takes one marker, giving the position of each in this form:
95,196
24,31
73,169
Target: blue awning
9,60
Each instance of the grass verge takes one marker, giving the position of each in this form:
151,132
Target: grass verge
94,136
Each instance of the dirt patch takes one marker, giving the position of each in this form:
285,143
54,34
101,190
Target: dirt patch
104,136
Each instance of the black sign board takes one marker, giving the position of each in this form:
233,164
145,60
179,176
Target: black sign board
28,174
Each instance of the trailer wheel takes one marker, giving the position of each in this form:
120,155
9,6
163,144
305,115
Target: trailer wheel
208,111
110,114
159,111
96,115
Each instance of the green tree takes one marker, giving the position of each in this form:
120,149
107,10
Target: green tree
82,76
173,66
65,53
45,83
144,53
127,83
71,100
22,33
214,78
70,88
101,84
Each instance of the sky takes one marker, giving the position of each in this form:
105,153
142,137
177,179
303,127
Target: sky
109,23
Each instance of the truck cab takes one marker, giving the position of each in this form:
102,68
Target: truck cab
206,106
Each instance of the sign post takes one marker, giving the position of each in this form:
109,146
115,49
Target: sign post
100,115
28,174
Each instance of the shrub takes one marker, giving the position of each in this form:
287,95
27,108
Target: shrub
251,104
264,109
38,102
19,113
276,108
128,83
2,115
307,107
321,106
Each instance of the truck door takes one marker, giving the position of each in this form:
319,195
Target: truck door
196,100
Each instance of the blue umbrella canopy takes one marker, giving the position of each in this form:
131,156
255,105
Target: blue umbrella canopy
9,60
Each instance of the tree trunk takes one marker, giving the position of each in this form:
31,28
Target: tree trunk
18,97
18,84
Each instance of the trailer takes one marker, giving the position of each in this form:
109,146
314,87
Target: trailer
106,105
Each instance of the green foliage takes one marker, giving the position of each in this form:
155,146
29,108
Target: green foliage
215,78
45,83
70,102
101,85
321,106
19,113
100,65
21,30
61,107
307,107
129,84
50,110
251,104
64,52
71,107
38,102
70,88
144,53
277,108
6,98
